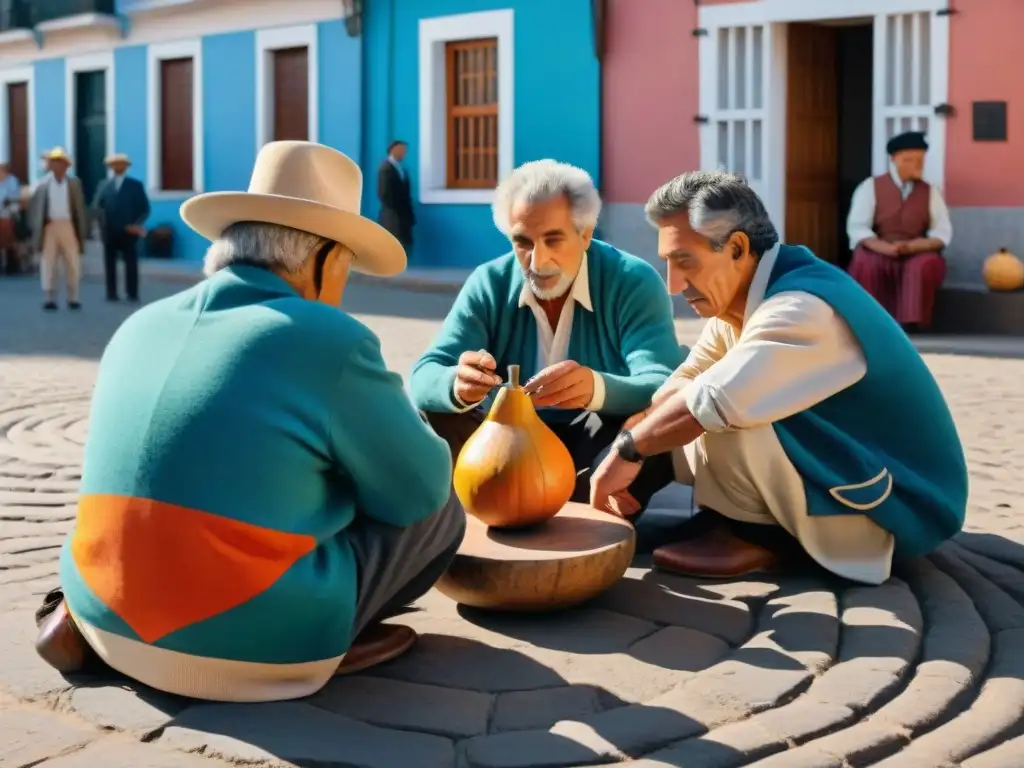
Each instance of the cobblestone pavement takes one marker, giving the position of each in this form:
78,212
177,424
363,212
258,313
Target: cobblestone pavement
796,672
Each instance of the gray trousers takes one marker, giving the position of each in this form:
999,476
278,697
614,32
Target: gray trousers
397,566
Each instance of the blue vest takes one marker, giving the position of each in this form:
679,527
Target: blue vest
885,447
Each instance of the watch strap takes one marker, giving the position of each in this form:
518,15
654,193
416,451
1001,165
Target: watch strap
625,447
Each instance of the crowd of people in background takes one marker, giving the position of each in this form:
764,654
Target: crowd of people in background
46,225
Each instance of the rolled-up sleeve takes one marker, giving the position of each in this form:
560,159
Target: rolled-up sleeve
794,352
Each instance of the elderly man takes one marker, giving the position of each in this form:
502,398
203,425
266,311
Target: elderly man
244,512
898,226
802,407
59,222
590,326
122,207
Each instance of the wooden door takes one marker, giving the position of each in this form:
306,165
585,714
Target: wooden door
176,125
812,140
17,130
90,148
291,94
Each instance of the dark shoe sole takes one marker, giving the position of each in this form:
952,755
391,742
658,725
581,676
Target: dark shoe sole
398,641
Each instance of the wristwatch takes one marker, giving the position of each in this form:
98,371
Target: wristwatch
626,448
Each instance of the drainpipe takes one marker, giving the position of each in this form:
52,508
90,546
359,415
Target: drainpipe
598,16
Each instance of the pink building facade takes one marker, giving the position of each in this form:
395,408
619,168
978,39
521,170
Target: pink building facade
800,97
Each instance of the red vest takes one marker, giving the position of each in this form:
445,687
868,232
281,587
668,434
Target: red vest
897,219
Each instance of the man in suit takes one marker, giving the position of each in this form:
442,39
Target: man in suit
395,195
59,222
121,207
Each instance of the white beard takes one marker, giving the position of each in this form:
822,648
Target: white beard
559,289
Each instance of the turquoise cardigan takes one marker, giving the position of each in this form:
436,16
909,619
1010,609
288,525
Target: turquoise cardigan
629,338
236,432
887,446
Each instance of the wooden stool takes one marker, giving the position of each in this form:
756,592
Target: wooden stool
573,557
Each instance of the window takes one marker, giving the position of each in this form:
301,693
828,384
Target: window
287,85
176,150
472,95
175,136
466,106
17,120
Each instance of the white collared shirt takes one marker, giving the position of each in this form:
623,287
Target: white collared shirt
553,343
398,167
860,223
59,203
117,182
792,352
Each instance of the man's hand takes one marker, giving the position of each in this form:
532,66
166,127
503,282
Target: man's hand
609,486
475,376
134,229
903,248
562,385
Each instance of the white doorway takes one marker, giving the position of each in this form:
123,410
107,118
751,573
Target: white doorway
744,69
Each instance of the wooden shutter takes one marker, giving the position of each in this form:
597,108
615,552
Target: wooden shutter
472,91
17,130
291,94
176,125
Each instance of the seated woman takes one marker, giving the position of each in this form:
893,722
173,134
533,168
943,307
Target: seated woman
257,488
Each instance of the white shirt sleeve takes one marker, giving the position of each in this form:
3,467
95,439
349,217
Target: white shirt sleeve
860,222
794,352
941,228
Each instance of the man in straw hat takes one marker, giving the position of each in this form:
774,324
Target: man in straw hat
258,489
58,220
121,207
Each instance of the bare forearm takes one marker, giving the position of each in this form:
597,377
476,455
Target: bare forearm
876,244
669,425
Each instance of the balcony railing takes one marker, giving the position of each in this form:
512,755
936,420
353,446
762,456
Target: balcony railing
50,10
15,14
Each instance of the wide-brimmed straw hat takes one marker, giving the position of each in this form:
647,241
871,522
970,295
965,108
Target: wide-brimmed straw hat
57,153
117,157
308,187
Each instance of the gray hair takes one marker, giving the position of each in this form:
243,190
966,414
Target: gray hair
717,204
265,245
542,180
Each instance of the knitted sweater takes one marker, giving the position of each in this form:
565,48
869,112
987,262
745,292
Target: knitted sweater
629,338
236,431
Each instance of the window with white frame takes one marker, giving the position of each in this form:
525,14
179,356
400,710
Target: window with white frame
466,106
287,84
175,112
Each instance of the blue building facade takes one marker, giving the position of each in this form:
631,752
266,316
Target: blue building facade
190,89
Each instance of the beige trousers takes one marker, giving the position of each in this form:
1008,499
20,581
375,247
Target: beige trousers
745,475
60,244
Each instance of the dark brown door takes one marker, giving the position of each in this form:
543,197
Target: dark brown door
812,140
17,130
291,94
176,127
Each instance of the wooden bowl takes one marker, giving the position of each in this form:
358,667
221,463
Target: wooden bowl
572,557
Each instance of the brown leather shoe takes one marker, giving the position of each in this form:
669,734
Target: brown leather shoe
717,554
60,644
375,645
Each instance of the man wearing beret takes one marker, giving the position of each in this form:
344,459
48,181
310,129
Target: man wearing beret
898,226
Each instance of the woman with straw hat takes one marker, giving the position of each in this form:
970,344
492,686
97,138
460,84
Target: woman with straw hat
258,491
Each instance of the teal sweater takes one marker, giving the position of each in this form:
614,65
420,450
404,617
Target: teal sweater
236,432
887,446
629,338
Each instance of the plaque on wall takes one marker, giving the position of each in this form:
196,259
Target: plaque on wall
989,120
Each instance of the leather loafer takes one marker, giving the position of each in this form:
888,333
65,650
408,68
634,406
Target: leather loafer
717,554
375,645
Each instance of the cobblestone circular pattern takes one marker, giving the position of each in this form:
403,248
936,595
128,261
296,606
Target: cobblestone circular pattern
799,672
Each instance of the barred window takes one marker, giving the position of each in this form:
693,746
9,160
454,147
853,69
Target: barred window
472,99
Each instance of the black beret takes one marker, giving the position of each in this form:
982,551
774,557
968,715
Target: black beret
904,141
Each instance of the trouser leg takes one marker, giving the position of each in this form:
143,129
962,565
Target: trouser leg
48,261
71,252
588,438
396,566
130,254
110,266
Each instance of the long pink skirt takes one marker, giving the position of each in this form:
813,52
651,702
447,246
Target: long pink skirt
906,285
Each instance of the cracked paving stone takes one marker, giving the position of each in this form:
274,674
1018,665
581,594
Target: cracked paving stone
30,736
139,710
